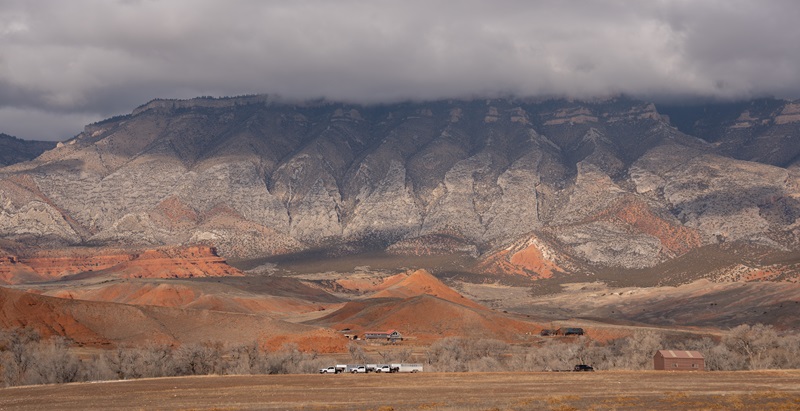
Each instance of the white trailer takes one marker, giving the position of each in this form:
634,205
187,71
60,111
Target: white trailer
405,367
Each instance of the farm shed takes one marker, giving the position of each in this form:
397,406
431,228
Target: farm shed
391,335
679,360
569,331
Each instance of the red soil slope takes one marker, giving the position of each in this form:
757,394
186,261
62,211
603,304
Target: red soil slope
425,317
418,283
420,306
183,262
368,284
189,295
200,261
103,324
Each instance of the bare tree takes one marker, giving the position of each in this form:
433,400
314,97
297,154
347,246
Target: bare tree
199,359
636,352
18,354
54,363
357,353
246,359
403,355
756,343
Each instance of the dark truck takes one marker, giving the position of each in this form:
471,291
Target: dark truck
583,367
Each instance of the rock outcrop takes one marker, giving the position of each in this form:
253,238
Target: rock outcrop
180,262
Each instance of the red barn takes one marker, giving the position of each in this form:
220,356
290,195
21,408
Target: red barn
679,360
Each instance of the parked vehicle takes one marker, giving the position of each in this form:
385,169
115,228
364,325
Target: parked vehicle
583,367
367,368
406,367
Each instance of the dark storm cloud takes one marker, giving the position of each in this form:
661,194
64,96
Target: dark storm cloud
65,61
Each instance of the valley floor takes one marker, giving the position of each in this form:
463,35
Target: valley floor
617,390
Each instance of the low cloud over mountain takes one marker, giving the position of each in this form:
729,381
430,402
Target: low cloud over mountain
64,63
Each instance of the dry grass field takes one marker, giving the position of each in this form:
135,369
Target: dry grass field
621,390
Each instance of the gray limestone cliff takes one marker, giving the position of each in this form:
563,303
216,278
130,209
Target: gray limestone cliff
257,177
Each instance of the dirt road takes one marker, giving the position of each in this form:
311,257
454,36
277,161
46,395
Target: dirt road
765,390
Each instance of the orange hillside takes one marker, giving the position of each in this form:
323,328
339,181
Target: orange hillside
425,317
102,324
418,283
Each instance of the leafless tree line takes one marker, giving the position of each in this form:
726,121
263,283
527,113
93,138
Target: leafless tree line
745,347
26,358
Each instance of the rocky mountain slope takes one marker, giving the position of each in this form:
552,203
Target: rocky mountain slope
14,150
531,187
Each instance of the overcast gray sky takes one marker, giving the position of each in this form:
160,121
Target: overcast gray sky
67,63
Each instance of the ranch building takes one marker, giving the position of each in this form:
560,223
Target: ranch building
391,335
569,331
679,360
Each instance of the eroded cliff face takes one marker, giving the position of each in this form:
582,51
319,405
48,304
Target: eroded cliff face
606,183
168,262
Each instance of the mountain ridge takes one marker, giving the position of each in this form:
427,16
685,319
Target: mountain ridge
606,183
14,150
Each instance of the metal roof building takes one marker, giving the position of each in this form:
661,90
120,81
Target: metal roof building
679,360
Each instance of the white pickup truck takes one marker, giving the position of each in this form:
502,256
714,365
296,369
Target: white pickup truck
329,370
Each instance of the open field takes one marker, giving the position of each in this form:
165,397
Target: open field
619,390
